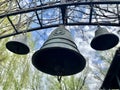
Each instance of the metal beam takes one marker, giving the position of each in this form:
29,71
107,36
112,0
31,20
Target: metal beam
12,24
65,19
56,25
41,7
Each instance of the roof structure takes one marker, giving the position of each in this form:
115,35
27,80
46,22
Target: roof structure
24,16
41,14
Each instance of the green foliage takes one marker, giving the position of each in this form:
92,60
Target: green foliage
67,83
73,82
16,71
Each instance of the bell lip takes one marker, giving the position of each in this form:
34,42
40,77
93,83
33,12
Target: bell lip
82,59
93,44
26,49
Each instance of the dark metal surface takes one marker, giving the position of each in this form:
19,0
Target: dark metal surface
59,55
18,45
104,40
67,13
112,78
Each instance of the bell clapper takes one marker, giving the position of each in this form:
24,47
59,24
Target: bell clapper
59,78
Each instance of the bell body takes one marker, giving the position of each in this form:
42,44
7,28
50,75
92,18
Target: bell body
104,40
18,45
59,55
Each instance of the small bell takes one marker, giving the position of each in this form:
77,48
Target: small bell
18,45
104,40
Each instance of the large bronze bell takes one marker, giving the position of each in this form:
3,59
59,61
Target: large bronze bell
59,55
18,45
104,40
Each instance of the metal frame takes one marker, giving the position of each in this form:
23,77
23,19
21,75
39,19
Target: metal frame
65,18
112,78
66,12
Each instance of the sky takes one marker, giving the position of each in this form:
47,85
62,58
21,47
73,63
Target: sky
82,36
83,43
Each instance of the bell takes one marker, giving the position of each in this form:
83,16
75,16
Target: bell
104,40
18,45
59,55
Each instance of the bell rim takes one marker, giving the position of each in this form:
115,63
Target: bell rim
82,59
26,48
109,34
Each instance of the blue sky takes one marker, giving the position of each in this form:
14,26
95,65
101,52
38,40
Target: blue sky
82,36
92,56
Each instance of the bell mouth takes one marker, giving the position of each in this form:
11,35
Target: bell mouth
104,41
58,61
17,47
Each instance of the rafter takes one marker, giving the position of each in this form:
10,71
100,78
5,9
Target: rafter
63,14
